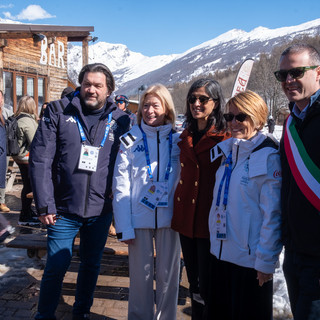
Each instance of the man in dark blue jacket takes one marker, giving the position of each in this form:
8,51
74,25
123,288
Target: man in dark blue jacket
71,165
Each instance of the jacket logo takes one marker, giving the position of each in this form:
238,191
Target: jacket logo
277,174
71,120
139,149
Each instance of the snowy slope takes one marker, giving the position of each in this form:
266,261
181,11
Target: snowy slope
131,69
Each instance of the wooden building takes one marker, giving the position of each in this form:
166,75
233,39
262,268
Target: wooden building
33,60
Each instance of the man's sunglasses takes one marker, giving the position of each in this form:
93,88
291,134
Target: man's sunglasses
119,101
295,73
239,117
203,99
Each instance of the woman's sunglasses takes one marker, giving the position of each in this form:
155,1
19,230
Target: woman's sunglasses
295,73
239,117
203,99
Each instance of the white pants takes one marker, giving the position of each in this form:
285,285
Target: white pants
141,272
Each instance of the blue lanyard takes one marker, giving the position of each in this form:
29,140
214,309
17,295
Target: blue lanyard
83,136
226,176
146,149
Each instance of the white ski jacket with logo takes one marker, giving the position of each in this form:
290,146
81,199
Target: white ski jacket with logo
253,208
131,178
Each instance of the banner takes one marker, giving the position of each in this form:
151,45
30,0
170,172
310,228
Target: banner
243,76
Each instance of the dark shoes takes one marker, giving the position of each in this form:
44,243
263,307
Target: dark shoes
28,218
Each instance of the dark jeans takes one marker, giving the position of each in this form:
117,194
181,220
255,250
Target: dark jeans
196,256
302,275
235,293
93,236
25,202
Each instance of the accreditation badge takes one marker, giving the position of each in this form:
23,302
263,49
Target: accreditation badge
153,195
163,203
88,158
220,224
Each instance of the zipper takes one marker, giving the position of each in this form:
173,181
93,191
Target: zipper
220,251
89,173
158,172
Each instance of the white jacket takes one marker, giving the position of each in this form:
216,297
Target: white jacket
253,208
130,179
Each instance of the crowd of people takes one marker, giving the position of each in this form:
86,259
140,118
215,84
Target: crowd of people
222,195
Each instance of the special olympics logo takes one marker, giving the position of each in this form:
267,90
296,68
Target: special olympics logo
277,174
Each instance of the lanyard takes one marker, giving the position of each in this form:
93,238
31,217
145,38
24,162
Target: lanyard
83,136
226,176
146,149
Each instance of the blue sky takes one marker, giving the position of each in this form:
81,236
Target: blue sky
163,26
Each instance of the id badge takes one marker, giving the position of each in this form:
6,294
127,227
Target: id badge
164,199
88,158
152,196
220,224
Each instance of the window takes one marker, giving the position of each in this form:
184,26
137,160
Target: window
8,90
18,84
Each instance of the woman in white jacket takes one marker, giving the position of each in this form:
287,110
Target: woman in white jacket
244,220
145,176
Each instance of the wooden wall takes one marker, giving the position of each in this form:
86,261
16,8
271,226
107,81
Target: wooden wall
23,55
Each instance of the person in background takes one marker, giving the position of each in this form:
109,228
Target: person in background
146,174
5,114
27,125
5,228
271,123
43,108
299,75
122,102
71,165
66,91
245,215
205,127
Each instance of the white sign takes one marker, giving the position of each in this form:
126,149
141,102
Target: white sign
55,52
242,78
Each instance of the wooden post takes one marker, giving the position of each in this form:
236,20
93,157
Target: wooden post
85,51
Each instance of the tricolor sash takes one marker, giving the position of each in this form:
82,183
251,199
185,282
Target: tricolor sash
304,170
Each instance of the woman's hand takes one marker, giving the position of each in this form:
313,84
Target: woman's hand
264,277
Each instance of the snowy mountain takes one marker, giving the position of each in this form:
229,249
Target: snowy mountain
132,69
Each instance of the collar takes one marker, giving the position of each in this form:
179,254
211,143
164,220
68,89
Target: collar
302,114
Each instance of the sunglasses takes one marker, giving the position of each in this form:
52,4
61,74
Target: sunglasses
295,73
202,99
119,101
239,117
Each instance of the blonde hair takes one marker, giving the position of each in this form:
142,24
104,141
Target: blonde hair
251,104
27,104
164,96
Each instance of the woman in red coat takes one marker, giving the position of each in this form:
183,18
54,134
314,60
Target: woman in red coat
205,128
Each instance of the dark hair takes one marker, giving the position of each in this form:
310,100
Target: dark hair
66,91
297,48
44,105
99,67
214,91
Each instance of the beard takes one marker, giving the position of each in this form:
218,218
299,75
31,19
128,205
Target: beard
93,103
